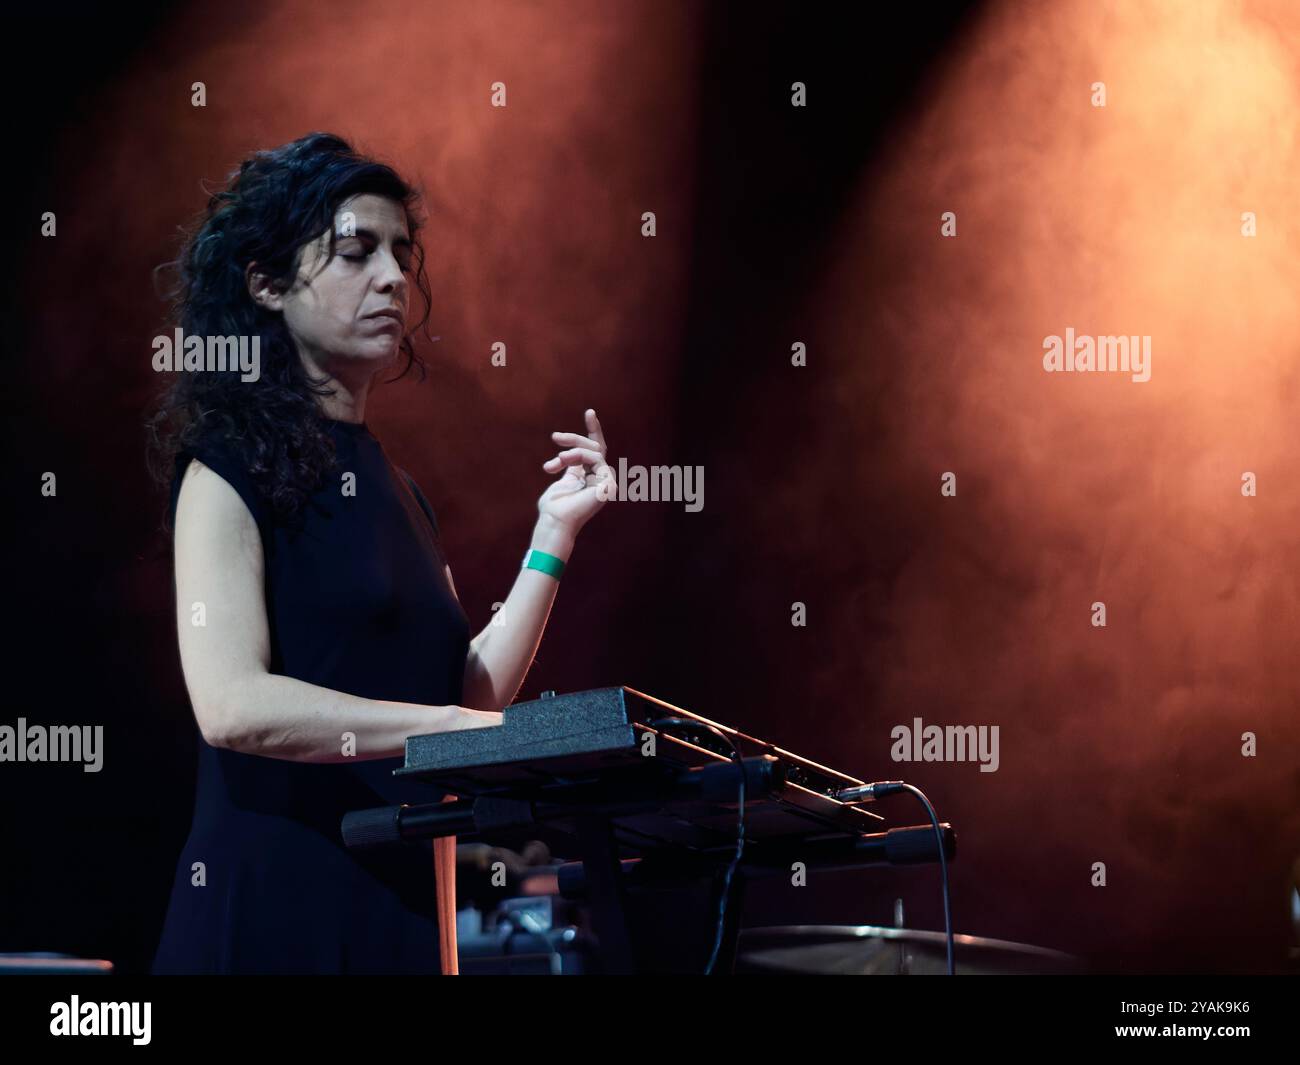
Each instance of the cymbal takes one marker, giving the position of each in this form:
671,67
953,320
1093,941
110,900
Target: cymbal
874,950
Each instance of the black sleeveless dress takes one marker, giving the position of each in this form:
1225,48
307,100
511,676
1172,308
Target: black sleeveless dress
357,601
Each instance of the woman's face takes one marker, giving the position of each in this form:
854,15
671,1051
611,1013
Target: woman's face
349,313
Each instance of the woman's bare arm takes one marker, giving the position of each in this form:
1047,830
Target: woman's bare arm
237,702
500,656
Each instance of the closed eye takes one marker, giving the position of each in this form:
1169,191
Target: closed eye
403,261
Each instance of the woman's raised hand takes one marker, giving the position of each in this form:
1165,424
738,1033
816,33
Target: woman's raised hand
587,480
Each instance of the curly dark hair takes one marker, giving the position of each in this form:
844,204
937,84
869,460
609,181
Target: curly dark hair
274,204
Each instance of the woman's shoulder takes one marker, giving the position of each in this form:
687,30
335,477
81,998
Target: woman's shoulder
218,453
420,499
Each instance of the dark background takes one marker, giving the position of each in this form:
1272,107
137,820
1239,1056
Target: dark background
775,224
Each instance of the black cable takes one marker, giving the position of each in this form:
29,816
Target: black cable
943,870
893,787
740,826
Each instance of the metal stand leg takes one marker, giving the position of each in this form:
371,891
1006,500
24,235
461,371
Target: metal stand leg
606,895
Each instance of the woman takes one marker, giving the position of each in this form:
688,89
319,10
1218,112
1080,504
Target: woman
318,623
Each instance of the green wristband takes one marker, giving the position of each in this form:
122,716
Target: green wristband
548,564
